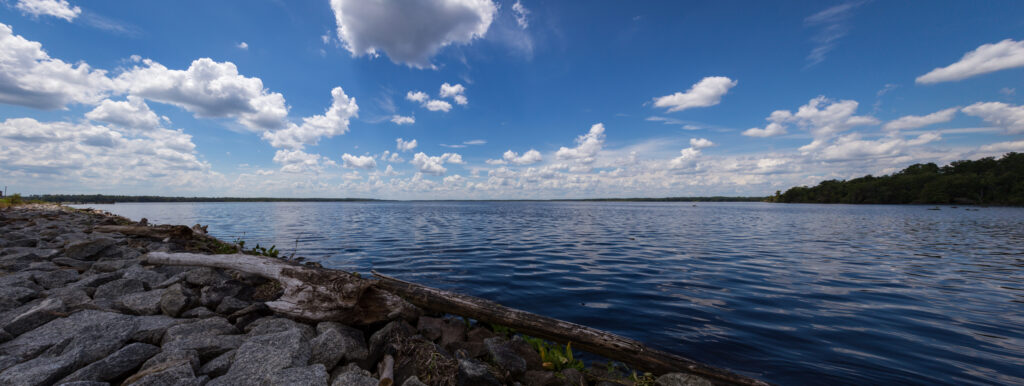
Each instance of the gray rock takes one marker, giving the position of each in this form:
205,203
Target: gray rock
43,312
207,346
58,278
271,325
118,288
413,381
142,303
527,352
198,313
502,355
609,383
201,327
96,280
86,249
262,356
44,266
354,379
540,378
148,277
204,276
73,297
113,265
116,365
78,265
680,379
230,305
39,371
337,343
390,333
151,329
18,261
212,295
473,372
85,383
326,348
315,375
218,366
478,334
12,297
170,374
572,376
170,358
173,300
430,327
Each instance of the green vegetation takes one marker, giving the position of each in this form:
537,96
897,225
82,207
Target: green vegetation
552,356
987,181
15,200
679,199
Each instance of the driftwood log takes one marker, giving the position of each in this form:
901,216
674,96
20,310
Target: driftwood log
310,293
585,338
320,294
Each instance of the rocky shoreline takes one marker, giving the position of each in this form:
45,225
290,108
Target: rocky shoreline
81,307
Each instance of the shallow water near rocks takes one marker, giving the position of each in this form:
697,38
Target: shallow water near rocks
821,294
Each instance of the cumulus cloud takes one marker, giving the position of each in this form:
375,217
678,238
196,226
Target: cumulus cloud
435,165
700,143
587,146
417,96
822,117
852,147
982,60
333,122
410,31
521,13
132,113
916,121
687,158
60,9
1005,116
404,145
77,153
402,120
456,92
1003,147
209,89
530,157
243,45
30,77
707,92
437,105
298,161
358,162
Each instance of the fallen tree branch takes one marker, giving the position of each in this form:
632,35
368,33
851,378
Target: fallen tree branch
310,293
588,339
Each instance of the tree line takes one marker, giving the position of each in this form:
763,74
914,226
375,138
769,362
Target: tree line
986,181
111,199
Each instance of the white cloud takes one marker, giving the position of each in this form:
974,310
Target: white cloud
1007,117
456,92
435,165
1008,91
390,172
243,45
410,31
915,121
358,162
834,23
521,13
417,96
437,105
700,143
822,117
530,157
298,161
707,92
474,142
29,77
333,122
404,145
851,147
687,158
984,59
209,89
402,120
82,154
57,8
132,113
1003,147
587,146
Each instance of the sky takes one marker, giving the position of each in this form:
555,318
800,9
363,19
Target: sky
482,99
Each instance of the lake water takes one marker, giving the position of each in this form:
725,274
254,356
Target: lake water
822,294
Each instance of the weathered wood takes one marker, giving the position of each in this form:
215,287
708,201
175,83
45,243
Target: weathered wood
585,338
174,232
387,372
310,293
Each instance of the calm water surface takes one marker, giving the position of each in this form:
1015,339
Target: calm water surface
822,294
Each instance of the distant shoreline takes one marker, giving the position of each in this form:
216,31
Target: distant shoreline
113,199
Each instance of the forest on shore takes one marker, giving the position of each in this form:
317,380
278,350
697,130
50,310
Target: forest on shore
986,181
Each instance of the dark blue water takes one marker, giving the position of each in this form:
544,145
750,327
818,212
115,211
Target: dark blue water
822,294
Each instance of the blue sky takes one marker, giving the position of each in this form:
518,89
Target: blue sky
507,99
